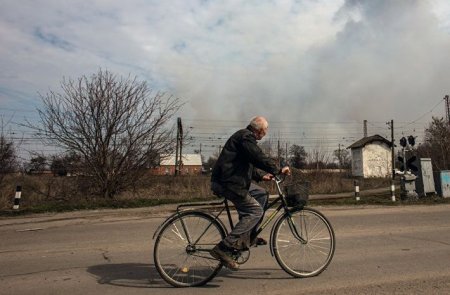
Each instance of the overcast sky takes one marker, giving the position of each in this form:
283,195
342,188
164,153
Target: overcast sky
310,61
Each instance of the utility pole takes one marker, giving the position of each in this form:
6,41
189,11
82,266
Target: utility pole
365,128
392,148
176,152
286,154
179,147
447,108
339,157
279,153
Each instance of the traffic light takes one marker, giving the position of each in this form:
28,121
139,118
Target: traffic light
411,140
403,142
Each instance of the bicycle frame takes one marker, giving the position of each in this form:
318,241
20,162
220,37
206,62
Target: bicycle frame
226,208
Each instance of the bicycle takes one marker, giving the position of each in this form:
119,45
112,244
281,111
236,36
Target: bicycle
301,239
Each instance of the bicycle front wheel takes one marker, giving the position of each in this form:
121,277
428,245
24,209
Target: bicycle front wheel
182,249
303,242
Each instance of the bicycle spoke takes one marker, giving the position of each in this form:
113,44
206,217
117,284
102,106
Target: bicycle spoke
188,264
177,232
306,258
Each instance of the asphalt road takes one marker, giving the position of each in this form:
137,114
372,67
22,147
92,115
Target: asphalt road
380,250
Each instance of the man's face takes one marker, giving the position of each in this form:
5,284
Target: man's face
261,133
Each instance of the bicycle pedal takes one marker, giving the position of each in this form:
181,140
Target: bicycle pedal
236,255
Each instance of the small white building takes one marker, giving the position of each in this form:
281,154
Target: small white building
371,157
190,164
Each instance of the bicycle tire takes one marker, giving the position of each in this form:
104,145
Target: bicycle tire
311,257
187,264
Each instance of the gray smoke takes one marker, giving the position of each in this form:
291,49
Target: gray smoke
388,60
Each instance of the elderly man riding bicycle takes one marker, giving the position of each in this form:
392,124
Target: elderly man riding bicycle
231,178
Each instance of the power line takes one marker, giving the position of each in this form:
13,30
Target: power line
311,135
414,121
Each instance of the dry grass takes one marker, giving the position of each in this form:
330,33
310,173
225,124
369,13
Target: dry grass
50,193
331,183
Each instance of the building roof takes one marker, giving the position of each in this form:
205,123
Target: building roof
188,160
366,140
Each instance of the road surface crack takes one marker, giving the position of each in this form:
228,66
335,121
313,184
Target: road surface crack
105,255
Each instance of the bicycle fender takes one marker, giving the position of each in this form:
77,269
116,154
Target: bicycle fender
168,219
177,214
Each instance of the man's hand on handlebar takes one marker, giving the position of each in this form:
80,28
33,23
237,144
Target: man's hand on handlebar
267,177
285,170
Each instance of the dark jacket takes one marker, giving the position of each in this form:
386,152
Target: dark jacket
235,167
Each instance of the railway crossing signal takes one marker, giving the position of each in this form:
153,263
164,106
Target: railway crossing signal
407,164
410,164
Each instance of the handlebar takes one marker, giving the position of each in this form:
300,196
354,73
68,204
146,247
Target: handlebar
279,178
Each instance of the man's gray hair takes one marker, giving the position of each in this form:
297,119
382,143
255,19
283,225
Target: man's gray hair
258,123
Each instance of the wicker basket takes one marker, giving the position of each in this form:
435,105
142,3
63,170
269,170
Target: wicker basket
297,194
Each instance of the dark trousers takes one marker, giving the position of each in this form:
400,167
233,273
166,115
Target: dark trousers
251,212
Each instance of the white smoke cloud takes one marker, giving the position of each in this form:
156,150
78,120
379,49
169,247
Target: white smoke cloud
327,61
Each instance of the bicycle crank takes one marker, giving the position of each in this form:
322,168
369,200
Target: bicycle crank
242,256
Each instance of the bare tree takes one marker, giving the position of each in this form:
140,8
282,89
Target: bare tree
437,144
266,147
63,165
116,124
210,163
318,157
8,157
37,164
297,157
343,158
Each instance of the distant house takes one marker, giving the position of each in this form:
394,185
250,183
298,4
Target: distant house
191,165
371,157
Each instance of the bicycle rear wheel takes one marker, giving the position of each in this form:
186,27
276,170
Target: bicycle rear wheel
303,242
182,249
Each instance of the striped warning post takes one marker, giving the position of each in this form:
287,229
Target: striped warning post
17,197
392,191
356,190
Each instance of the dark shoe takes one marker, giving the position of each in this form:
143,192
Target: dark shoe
225,257
259,242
